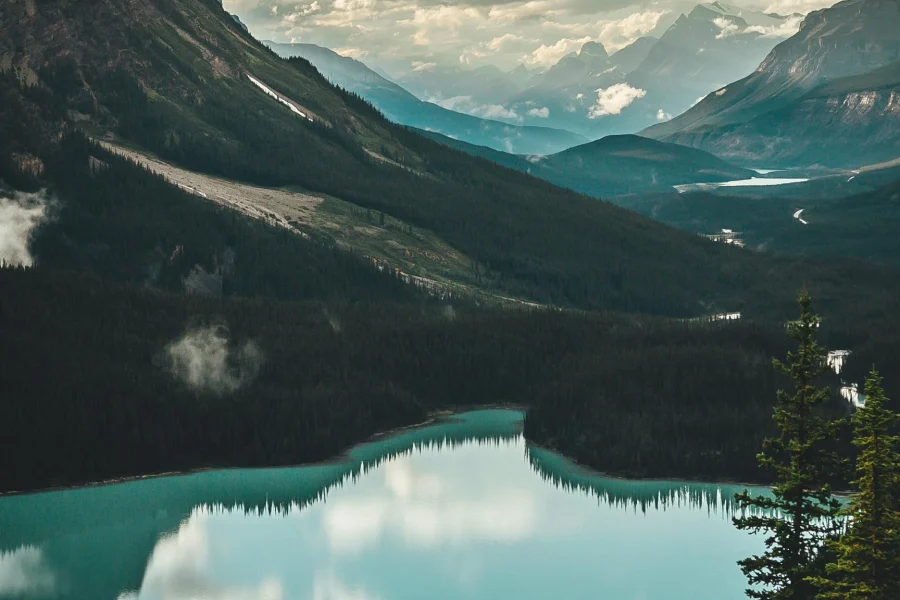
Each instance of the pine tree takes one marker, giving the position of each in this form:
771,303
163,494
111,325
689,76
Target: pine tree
867,565
801,513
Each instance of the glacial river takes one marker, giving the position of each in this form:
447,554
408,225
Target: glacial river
460,509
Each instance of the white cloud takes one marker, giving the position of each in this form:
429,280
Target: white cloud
329,588
615,35
540,113
351,52
720,92
20,216
614,99
784,29
546,55
423,66
179,568
662,115
24,572
498,43
426,511
465,104
203,360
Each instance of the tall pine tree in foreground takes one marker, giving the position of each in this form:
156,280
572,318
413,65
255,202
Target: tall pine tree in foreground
867,558
801,513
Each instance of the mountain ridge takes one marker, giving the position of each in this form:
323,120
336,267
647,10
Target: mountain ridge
403,107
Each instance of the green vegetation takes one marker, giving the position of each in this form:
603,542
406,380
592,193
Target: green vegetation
866,559
103,393
812,550
858,225
801,514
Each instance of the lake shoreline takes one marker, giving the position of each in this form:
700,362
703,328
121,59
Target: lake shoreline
435,418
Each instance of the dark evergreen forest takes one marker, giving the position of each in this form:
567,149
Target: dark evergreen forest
89,395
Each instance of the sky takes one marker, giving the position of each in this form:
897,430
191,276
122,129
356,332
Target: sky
401,35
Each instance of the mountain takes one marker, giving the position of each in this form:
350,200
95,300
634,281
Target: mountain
704,50
616,165
596,94
402,107
180,89
827,95
631,56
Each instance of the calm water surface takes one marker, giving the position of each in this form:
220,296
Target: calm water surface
462,509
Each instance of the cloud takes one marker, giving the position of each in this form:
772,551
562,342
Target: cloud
24,572
351,52
662,115
465,104
327,587
540,113
418,66
426,510
178,569
545,55
614,99
498,43
784,29
20,216
203,360
615,35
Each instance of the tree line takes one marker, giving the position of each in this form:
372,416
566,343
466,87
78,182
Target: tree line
815,548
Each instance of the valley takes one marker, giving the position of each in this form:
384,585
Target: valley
452,307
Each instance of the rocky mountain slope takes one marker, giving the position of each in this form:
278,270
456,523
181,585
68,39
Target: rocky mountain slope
826,95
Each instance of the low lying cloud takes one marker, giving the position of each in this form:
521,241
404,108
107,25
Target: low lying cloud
465,104
204,361
662,115
418,66
24,573
614,99
540,113
20,216
784,29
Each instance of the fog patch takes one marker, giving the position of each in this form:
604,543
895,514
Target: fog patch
332,321
204,360
448,312
24,573
20,216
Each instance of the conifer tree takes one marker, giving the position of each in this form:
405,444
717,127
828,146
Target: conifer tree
867,564
801,512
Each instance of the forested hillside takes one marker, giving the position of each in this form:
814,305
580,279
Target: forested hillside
173,77
110,396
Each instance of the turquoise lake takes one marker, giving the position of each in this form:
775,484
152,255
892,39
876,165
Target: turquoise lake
460,509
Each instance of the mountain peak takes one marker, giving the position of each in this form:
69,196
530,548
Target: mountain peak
593,50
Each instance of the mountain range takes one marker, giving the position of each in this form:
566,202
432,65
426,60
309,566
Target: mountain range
178,85
402,107
829,95
594,93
